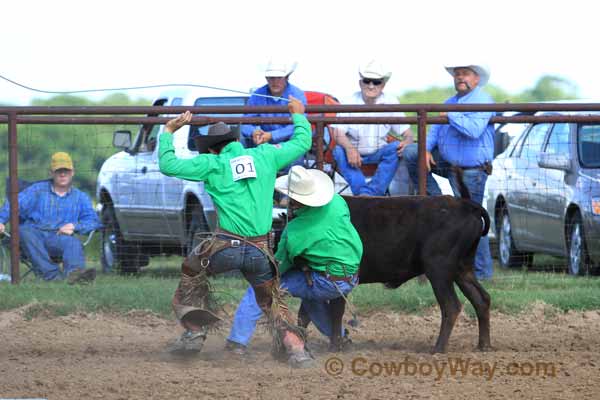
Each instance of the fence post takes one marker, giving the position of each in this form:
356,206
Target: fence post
14,198
319,149
422,167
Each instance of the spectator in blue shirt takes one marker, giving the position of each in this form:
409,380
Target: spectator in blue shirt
50,212
273,93
466,142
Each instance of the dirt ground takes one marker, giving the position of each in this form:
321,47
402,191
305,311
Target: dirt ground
541,354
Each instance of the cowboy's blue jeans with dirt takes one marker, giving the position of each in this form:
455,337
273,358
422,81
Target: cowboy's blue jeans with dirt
474,179
248,259
315,301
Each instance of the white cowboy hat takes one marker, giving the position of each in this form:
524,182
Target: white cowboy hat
310,187
278,69
374,70
482,70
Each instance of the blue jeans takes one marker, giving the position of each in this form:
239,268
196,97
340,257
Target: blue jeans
387,159
474,180
401,184
314,301
40,245
249,260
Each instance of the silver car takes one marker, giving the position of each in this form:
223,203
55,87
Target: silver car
544,195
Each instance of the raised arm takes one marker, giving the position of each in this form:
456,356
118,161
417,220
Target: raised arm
300,142
193,169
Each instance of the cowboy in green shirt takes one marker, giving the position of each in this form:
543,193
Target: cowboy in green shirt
319,254
240,182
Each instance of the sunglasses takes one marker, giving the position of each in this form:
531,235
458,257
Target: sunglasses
375,82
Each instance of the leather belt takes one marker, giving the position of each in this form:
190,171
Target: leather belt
262,239
333,278
486,167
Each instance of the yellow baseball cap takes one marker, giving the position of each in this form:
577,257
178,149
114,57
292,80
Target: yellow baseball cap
61,160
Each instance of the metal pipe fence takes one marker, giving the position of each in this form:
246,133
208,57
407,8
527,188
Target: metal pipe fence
111,115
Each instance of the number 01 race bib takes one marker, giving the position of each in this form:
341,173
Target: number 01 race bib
242,167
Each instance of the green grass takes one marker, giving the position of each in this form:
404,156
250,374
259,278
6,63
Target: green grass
152,290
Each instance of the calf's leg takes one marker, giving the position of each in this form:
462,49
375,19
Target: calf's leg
480,299
337,307
442,283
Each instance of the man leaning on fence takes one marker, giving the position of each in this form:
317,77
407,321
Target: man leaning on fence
379,144
50,213
274,93
466,142
241,183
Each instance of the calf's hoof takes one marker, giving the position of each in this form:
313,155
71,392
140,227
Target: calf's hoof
485,347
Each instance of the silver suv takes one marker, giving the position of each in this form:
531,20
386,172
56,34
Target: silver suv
146,213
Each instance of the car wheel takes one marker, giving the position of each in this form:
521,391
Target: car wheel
197,225
116,255
508,255
577,254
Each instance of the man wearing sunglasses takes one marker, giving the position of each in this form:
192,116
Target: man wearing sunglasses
379,144
467,142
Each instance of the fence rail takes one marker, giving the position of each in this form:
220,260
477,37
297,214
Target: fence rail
109,115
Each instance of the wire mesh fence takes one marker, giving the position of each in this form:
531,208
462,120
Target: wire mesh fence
542,195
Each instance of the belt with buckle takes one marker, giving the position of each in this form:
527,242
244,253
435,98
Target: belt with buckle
333,278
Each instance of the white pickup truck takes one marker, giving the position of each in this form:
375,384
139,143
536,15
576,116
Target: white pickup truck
145,212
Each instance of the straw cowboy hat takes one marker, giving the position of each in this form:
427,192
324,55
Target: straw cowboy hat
374,70
217,133
279,69
482,70
310,187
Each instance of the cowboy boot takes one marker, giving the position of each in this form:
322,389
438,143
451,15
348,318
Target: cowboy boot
193,305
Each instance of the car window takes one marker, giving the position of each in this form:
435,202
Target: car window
532,144
212,101
589,145
516,148
558,142
145,140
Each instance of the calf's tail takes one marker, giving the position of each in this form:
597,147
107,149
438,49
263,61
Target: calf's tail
464,190
465,194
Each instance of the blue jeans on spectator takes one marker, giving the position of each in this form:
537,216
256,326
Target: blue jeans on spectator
387,161
401,184
314,301
39,246
474,179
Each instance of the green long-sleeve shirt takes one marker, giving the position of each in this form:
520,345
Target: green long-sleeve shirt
324,236
244,206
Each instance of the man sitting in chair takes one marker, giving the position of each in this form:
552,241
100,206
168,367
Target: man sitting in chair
379,144
50,212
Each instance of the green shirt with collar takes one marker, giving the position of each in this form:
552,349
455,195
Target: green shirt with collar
244,206
324,237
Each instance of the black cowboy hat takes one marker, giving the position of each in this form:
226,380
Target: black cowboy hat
217,133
